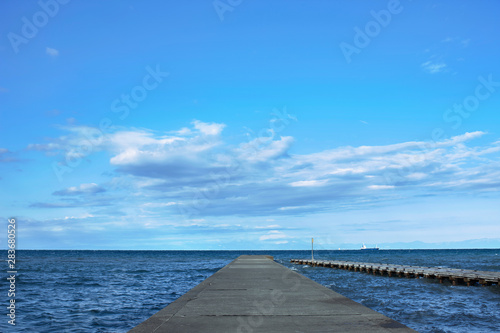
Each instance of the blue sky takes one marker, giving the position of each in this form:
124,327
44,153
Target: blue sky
249,124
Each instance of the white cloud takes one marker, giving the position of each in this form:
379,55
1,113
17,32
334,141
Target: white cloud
159,204
433,67
264,149
416,176
183,131
346,171
271,226
202,175
381,187
308,183
289,207
272,235
460,138
83,216
128,146
51,52
208,128
136,139
143,148
456,40
91,188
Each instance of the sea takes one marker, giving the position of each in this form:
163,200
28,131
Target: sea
113,291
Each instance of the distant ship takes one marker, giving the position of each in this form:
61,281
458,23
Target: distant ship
369,248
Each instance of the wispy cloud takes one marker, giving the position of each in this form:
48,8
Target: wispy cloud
308,183
51,52
208,128
381,187
464,42
91,203
433,67
80,190
159,204
445,55
7,156
272,235
263,149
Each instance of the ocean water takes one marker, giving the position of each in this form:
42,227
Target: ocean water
113,291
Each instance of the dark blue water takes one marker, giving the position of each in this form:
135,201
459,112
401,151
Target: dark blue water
113,291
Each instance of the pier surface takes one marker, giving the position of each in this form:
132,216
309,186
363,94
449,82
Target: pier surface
255,294
455,276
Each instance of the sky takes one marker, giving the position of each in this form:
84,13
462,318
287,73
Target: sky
233,124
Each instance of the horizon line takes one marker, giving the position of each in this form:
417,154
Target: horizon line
316,250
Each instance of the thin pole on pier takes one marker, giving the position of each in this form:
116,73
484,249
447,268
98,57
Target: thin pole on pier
312,248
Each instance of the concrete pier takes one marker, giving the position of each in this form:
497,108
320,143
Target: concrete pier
455,276
255,294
